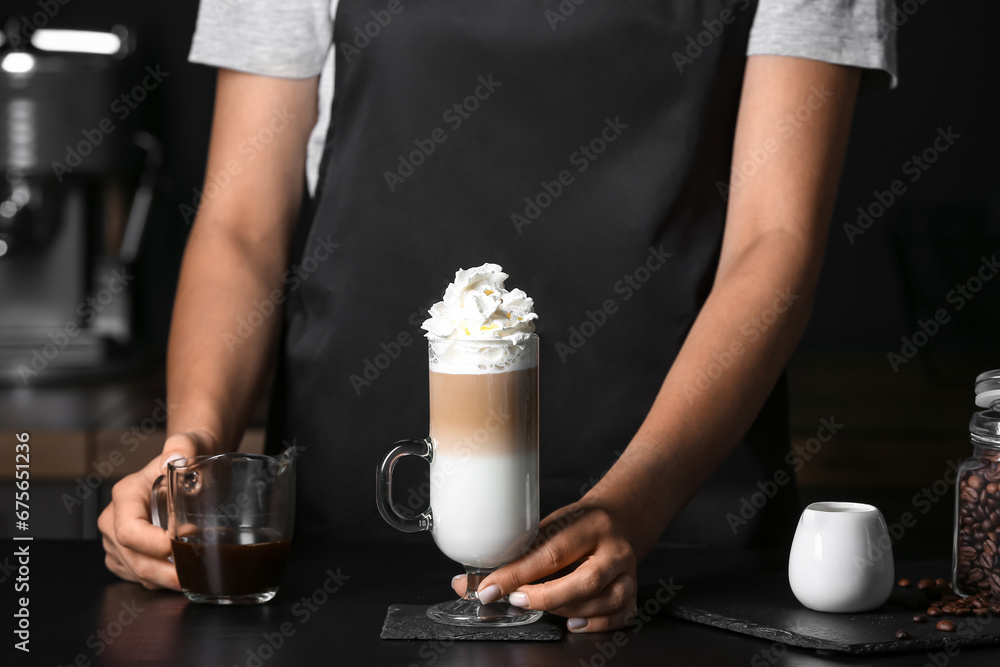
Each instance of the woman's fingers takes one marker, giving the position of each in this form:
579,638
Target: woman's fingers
618,595
136,549
183,445
614,621
137,567
152,572
114,563
112,550
132,528
609,609
545,559
584,583
459,584
598,595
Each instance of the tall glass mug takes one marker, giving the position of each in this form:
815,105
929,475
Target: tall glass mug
483,456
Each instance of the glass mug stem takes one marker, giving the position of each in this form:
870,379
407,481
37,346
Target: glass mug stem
474,577
383,498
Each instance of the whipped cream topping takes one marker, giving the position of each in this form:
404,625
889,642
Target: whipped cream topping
477,306
481,327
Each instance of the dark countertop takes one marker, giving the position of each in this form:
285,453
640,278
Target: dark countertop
81,614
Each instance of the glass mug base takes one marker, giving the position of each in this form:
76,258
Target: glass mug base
248,598
471,613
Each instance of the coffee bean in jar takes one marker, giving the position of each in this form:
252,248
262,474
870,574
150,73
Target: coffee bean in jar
977,513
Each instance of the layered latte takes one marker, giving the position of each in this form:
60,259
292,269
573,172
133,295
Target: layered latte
483,362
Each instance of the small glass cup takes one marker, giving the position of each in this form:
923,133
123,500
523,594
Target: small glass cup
230,519
483,456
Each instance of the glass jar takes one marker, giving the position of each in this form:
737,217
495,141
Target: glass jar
976,563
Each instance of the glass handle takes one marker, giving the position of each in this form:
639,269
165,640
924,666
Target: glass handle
383,492
157,503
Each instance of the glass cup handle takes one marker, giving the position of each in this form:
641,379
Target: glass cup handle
157,504
383,492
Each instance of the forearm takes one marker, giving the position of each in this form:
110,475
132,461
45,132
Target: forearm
772,248
227,314
215,367
760,302
727,367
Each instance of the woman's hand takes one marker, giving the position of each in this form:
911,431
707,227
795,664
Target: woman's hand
599,593
135,549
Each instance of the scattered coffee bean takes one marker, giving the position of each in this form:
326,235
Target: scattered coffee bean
924,584
979,604
902,634
905,583
919,618
945,625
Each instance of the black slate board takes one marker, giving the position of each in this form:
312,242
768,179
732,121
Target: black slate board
764,606
409,621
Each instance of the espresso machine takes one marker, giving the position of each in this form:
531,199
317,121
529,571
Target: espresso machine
77,176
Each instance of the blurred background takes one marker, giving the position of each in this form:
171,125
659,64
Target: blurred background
906,316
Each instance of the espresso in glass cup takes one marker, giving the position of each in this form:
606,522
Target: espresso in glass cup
483,456
230,519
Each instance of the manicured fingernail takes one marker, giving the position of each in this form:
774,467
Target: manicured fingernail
456,578
489,594
519,599
575,624
171,459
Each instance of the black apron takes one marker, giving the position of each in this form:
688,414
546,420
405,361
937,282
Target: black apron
576,145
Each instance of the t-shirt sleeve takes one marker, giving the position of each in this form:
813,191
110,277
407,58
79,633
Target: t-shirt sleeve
283,39
859,33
